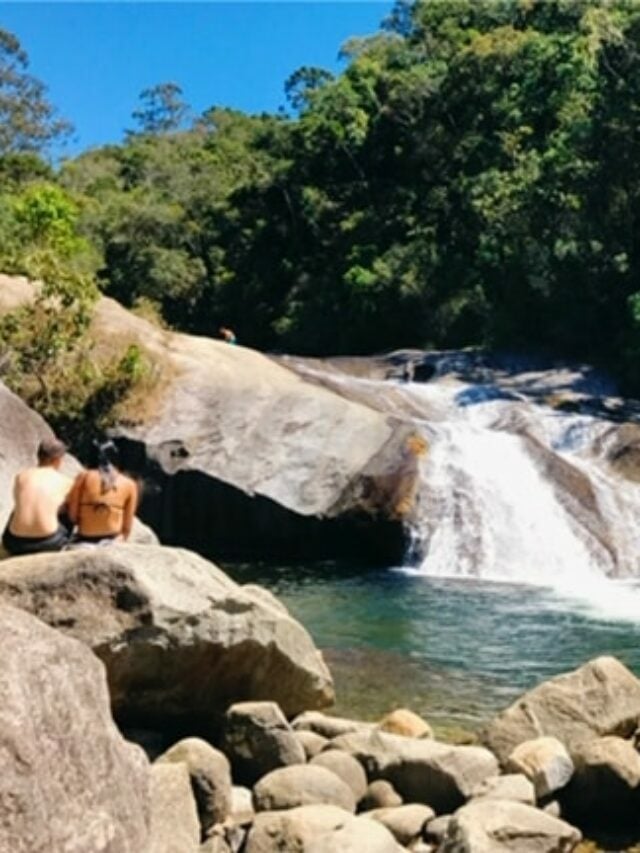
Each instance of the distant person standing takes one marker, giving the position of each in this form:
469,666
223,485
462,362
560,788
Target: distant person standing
39,494
103,501
227,335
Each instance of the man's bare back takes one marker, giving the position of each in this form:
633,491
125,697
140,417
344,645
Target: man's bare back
38,495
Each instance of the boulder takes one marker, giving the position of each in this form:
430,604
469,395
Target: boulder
605,789
436,829
181,641
346,767
545,762
257,739
600,698
512,786
380,795
241,800
215,844
328,726
405,722
311,742
421,771
69,781
318,829
304,785
210,777
491,826
174,819
405,823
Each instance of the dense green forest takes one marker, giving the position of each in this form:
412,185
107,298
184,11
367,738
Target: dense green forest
472,177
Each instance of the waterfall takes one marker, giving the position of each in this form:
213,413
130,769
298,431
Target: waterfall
510,488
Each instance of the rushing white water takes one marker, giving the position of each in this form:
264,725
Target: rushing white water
513,490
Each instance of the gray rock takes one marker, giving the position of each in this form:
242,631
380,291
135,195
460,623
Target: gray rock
210,777
215,844
512,786
327,726
174,820
402,721
69,781
405,823
600,698
380,794
241,800
318,829
346,767
491,826
436,829
545,762
311,742
421,771
605,790
257,739
180,640
304,785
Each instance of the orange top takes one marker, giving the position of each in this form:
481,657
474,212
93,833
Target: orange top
103,512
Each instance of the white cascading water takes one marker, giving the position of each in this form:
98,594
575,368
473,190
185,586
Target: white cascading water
487,507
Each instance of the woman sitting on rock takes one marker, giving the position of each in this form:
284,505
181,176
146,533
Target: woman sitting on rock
103,501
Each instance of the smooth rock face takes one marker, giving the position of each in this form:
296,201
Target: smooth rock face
421,771
210,777
545,762
174,819
512,786
69,781
318,829
380,795
180,640
605,790
404,722
257,739
491,826
311,743
405,823
328,726
600,698
346,767
303,785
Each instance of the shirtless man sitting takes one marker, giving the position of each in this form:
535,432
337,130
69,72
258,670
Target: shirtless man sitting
39,495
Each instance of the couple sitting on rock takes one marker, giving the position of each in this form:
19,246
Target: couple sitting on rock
100,503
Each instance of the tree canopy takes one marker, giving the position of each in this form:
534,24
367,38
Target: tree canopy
471,178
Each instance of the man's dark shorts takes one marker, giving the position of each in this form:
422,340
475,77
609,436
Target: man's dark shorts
18,546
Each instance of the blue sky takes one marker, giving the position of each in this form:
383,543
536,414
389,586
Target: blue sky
96,58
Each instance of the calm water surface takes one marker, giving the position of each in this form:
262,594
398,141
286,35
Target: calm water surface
455,651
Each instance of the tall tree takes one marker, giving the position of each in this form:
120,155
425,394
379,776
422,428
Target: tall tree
28,122
161,109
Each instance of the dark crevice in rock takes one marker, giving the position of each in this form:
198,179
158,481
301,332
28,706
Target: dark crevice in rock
193,510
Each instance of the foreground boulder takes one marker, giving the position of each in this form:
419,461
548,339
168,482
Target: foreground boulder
318,829
257,739
491,826
180,640
174,819
421,770
69,781
305,785
544,761
600,698
210,778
